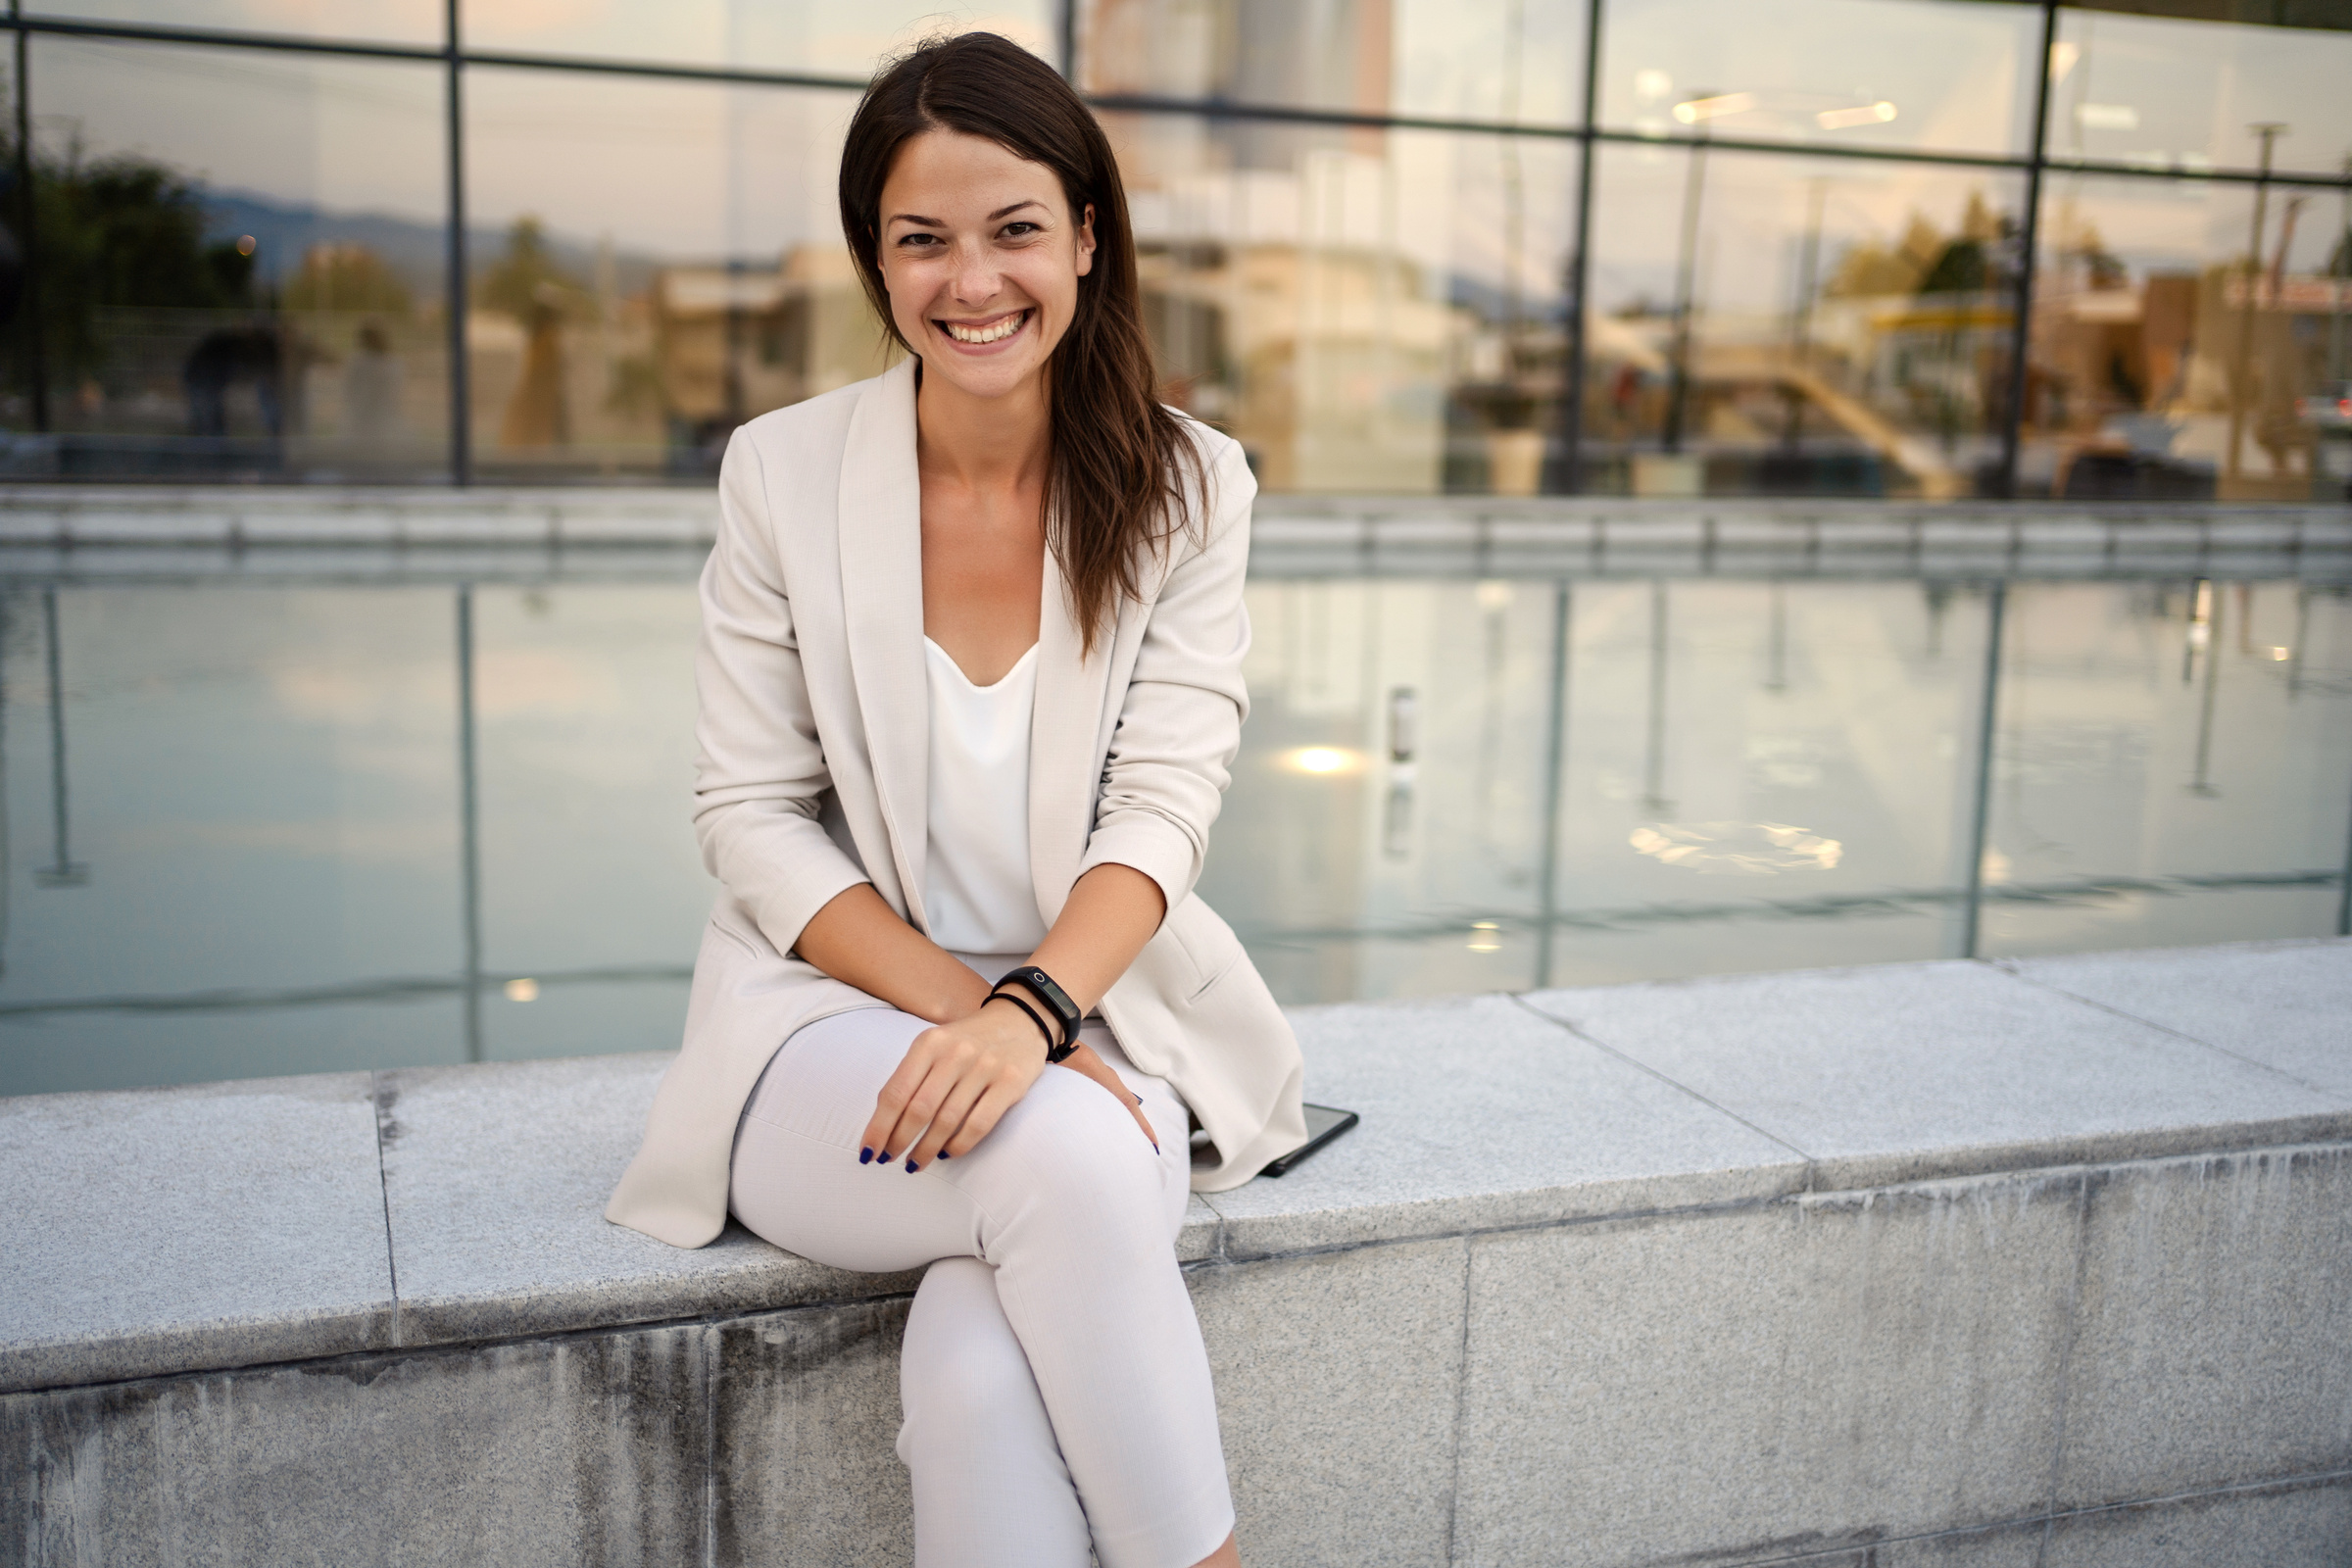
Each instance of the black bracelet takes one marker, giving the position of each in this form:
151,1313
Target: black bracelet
1006,995
1052,998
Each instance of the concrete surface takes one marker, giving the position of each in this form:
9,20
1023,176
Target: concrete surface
1935,1267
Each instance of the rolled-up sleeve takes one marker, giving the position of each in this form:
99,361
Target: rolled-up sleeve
1171,754
759,770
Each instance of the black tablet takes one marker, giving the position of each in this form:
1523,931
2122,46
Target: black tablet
1323,1124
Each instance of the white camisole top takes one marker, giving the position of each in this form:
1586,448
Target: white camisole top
976,887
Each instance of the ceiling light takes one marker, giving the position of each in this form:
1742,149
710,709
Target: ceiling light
1877,114
1715,108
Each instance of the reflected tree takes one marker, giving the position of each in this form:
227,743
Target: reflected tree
528,284
114,233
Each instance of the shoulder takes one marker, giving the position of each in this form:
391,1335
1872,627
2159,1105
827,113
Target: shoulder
1218,451
1218,492
810,427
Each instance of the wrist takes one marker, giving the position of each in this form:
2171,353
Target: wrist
959,999
1023,1026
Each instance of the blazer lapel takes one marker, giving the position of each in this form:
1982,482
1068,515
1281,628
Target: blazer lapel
1064,736
882,600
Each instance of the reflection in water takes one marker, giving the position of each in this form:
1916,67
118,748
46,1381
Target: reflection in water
342,830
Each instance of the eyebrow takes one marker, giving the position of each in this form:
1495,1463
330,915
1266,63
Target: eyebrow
935,222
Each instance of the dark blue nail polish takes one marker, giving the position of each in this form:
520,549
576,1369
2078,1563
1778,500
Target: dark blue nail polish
866,1157
910,1164
943,1154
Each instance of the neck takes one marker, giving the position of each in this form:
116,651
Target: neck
982,443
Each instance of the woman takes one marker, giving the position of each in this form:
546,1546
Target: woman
970,682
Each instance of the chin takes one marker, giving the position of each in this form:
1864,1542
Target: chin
987,379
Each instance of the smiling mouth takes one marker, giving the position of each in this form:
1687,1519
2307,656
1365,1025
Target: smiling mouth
992,332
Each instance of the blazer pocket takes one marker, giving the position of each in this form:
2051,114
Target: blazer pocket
751,948
1208,943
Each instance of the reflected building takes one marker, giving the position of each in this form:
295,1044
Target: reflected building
1911,249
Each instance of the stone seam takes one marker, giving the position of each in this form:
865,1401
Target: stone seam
2279,1485
1599,1044
2065,1363
379,1112
2009,967
1221,1259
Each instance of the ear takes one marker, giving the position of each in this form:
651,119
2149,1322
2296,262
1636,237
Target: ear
1085,241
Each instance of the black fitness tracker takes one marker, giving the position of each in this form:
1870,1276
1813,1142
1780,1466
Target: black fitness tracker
1036,1017
1039,984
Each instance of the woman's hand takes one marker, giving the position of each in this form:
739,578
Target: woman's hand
959,1079
1084,1061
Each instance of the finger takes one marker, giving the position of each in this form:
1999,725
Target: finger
890,1100
1101,1072
981,1120
891,1103
946,1121
922,1105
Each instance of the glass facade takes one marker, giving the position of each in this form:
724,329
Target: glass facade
1919,248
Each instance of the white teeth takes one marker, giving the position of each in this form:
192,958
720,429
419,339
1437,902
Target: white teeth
986,334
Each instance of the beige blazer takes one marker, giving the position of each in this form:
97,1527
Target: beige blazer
814,772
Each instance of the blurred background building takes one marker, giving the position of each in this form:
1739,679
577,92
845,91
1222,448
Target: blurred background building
1822,247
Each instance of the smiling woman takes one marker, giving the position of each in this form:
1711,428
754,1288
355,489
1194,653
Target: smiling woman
970,695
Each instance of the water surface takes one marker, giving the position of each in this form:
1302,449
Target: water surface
348,820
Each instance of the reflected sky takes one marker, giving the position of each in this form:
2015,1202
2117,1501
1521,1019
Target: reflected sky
235,844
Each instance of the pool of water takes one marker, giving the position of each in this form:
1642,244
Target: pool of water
341,818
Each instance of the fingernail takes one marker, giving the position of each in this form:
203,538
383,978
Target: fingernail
1156,1148
866,1157
910,1164
943,1154
882,1156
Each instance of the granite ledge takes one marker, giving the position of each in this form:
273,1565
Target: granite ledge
1560,1108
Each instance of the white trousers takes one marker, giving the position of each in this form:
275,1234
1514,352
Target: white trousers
1054,1382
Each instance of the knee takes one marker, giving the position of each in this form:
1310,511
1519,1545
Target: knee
1077,1144
961,1370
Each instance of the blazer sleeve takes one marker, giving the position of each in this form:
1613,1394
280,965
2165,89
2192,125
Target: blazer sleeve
760,771
1180,725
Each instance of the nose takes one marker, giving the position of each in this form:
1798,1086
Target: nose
977,277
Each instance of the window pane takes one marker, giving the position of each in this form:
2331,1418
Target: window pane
1810,325
1364,310
1501,60
2157,372
820,37
241,265
653,263
585,702
2169,92
240,790
2188,744
410,22
1951,76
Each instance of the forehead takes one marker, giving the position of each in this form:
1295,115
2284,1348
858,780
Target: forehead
950,175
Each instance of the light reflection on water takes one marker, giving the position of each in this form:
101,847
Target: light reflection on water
248,855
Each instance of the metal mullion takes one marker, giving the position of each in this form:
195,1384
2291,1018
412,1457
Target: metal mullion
2219,176
289,43
2029,262
36,347
1140,103
1807,149
1580,269
461,368
1134,103
598,66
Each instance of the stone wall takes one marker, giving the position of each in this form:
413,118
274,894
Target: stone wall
2040,1265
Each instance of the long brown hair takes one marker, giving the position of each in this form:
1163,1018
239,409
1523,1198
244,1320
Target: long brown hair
1115,480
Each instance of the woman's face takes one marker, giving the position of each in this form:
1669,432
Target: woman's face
981,258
